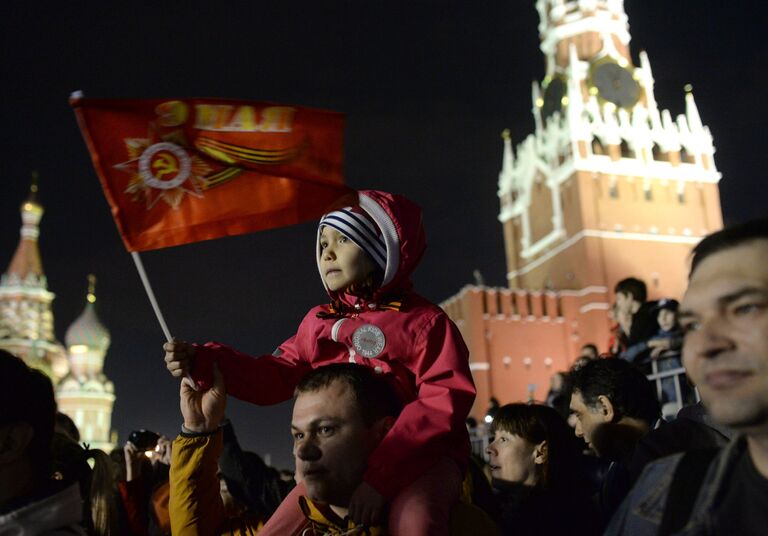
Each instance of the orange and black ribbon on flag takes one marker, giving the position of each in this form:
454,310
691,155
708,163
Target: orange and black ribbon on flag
176,171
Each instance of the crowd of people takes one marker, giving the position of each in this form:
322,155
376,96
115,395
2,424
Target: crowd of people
381,391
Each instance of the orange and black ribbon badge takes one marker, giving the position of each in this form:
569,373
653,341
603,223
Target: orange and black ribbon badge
236,154
337,309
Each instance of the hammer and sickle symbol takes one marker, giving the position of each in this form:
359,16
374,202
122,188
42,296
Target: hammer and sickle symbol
165,164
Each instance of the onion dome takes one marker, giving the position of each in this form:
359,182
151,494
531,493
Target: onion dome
87,332
25,267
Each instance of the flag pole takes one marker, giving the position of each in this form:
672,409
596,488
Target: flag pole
158,313
151,295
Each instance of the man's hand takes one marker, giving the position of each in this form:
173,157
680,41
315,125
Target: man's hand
134,458
659,346
162,452
203,411
178,357
366,507
624,319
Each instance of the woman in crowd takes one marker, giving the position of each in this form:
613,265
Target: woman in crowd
536,473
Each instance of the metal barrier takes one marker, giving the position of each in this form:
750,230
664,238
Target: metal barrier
668,369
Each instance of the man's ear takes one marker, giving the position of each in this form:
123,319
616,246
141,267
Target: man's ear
14,440
541,453
605,407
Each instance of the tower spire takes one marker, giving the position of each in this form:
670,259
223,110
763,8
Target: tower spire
26,265
26,319
91,296
88,334
33,187
692,111
508,161
88,341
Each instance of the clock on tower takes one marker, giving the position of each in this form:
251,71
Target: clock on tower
614,83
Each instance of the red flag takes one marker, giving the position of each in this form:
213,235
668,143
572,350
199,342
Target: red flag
184,170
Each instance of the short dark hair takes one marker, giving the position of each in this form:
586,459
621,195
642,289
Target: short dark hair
65,425
633,286
536,423
727,238
27,397
629,391
376,397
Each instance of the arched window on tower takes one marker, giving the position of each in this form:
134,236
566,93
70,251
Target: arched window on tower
658,154
597,147
626,152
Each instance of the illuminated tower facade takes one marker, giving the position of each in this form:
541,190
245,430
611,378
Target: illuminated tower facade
85,394
26,320
606,187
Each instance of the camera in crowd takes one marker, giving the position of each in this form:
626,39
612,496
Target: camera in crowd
144,440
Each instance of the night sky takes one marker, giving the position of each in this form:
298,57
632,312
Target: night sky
427,87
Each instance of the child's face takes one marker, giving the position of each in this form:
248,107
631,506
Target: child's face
667,319
624,302
342,263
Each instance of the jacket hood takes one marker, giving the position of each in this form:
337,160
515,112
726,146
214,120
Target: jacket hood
402,228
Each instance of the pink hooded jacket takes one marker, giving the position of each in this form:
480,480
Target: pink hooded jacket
417,346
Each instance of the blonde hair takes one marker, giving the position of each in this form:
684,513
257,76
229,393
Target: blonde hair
103,500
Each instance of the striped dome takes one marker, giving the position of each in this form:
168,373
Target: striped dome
88,331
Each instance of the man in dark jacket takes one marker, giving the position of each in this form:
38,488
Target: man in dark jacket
614,405
631,300
724,316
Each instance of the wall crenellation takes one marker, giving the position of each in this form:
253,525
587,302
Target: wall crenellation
517,305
